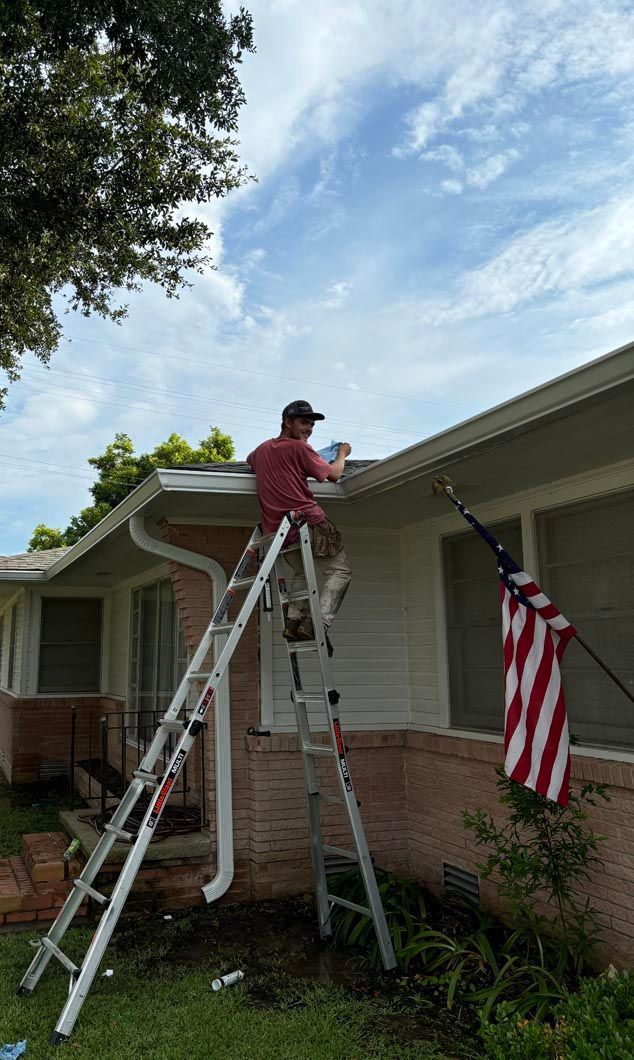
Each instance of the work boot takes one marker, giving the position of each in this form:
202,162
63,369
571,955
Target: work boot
290,629
306,631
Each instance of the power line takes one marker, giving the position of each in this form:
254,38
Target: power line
126,383
251,428
271,375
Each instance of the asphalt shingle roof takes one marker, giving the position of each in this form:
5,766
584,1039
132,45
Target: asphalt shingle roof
32,560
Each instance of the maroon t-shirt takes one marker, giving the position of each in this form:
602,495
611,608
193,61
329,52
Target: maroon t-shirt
281,467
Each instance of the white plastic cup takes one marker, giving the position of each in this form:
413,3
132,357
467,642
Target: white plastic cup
227,980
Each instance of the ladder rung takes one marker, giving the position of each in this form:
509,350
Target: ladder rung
303,697
62,958
198,675
119,832
301,645
172,725
224,627
340,852
349,905
243,583
317,749
290,548
335,799
298,596
87,889
147,778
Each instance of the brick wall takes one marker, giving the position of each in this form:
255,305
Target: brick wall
446,775
38,729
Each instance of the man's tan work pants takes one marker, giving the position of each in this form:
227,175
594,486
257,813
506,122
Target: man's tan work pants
336,573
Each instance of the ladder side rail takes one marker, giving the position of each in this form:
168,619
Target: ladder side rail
157,803
310,775
331,697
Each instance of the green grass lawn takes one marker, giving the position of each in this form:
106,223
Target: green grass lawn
153,1007
159,1003
18,817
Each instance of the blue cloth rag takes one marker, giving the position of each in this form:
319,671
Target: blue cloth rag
330,452
11,1052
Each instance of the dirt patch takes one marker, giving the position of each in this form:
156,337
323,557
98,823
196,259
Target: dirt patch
277,946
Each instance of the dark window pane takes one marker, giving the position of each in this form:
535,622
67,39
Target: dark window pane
586,556
70,645
474,627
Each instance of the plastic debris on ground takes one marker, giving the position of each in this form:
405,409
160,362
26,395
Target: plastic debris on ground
11,1052
227,980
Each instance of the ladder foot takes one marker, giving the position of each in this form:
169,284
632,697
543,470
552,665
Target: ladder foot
23,991
57,1038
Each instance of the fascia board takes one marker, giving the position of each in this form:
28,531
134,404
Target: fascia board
23,575
558,395
132,505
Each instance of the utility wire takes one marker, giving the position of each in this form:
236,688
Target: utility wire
271,375
251,428
126,383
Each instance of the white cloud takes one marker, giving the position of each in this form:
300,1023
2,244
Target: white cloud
553,257
490,169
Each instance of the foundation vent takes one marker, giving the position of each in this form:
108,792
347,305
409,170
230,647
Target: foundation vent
460,882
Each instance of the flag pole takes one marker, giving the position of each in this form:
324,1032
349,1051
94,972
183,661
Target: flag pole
442,484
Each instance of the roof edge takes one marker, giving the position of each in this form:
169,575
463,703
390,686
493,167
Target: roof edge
587,381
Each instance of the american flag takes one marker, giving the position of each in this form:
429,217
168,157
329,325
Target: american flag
534,636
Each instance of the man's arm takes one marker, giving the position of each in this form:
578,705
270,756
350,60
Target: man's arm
337,466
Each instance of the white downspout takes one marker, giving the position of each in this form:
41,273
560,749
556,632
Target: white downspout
222,717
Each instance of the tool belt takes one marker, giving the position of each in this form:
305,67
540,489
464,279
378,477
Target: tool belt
326,539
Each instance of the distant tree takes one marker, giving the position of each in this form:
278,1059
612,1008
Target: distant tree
44,537
112,116
120,470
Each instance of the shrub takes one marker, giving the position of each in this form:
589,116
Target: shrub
597,1023
544,850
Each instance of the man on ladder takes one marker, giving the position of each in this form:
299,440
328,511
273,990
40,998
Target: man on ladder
282,467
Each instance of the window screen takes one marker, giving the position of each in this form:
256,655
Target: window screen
586,554
158,656
70,645
474,626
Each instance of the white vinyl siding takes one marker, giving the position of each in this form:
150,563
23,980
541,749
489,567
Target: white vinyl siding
119,632
11,654
474,626
418,550
586,554
370,662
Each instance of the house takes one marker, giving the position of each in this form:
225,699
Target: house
106,626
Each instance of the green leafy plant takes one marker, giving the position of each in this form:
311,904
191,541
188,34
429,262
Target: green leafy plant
543,851
597,1023
405,911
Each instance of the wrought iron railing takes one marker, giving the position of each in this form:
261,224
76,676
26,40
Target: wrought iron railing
115,743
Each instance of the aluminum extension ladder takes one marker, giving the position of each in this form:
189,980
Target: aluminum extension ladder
265,551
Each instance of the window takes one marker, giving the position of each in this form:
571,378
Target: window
70,645
158,656
12,638
1,644
474,627
586,562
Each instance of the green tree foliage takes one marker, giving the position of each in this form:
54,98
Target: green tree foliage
44,537
112,115
120,470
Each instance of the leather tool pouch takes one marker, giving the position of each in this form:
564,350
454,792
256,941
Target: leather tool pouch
326,539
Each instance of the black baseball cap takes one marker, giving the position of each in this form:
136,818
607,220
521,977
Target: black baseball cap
301,408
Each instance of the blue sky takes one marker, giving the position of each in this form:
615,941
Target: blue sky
444,214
